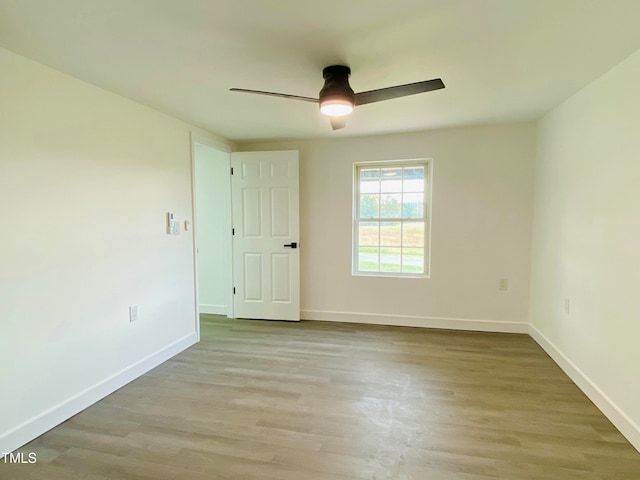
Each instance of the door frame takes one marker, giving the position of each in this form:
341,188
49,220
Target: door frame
208,140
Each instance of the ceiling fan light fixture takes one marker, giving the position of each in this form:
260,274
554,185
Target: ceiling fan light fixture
336,107
337,99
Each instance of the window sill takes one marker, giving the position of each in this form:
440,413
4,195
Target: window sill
390,275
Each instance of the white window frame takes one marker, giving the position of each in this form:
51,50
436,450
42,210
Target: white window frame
428,172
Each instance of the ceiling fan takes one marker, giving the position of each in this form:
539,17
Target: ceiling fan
337,99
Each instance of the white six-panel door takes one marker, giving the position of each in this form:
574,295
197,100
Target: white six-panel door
266,260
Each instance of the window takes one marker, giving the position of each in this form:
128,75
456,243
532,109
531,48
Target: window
391,208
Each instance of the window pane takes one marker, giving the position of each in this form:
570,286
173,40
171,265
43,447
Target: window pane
369,207
390,234
391,180
368,259
391,230
391,205
390,259
413,205
368,234
413,179
413,260
413,234
370,180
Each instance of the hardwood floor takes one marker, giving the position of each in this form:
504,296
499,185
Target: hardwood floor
262,400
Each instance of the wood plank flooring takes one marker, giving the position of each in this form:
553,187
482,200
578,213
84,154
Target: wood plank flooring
260,400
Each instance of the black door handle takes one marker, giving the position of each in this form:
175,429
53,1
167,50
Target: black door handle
291,245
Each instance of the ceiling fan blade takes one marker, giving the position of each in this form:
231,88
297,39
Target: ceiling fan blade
338,122
398,91
273,94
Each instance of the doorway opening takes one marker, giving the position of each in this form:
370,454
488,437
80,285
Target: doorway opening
212,203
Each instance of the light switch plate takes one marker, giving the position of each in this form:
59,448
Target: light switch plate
133,313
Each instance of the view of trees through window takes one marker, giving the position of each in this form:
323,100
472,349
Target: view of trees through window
390,219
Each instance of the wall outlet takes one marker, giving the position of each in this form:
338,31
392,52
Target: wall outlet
133,313
503,284
567,306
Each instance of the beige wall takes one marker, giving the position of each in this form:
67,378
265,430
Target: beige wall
86,178
585,241
481,229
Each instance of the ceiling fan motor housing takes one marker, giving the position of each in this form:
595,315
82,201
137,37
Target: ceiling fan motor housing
336,84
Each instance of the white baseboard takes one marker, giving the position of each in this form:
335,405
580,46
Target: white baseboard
626,425
213,309
414,321
44,422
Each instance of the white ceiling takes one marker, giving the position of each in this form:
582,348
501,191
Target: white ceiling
501,60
